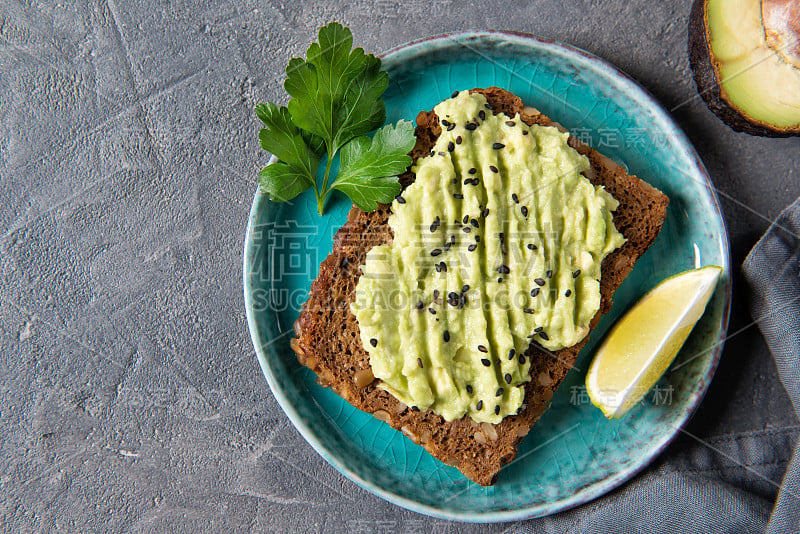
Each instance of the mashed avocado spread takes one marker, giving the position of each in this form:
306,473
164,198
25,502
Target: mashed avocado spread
497,243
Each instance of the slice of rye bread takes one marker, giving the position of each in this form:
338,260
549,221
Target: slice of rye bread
328,340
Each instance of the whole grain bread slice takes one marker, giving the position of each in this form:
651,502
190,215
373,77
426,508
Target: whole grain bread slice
327,333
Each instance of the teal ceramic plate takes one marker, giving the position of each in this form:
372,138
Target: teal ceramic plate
573,454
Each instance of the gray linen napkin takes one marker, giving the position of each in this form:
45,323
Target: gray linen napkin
773,271
726,484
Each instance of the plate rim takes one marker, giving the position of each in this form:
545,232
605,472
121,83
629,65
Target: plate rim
600,487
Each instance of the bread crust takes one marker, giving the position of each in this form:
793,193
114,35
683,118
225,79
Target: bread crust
327,334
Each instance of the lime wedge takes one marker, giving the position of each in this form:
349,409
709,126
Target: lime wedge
643,343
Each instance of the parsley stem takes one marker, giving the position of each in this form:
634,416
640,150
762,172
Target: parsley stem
324,191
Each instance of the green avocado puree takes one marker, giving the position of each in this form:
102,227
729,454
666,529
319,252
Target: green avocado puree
498,242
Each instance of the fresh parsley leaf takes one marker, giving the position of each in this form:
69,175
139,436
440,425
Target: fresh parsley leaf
368,169
298,154
283,182
336,91
286,141
336,99
362,110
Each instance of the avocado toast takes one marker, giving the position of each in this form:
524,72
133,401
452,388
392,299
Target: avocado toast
328,338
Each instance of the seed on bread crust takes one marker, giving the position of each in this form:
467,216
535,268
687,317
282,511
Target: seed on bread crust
363,378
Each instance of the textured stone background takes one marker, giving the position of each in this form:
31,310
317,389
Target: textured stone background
130,396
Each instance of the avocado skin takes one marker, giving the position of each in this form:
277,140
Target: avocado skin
706,79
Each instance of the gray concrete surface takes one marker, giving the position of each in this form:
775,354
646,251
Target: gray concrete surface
130,396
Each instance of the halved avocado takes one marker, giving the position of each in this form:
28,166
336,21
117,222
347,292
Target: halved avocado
745,55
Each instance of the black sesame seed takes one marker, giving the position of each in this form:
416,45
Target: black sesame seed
473,170
483,349
489,107
466,229
499,392
499,280
482,115
486,362
373,342
451,146
474,222
436,252
524,132
455,94
451,127
470,126
458,196
438,268
465,219
537,329
524,210
462,301
446,336
445,122
472,247
498,146
433,312
535,292
528,310
549,274
511,354
455,180
447,246
568,292
577,273
477,238
419,362
522,359
515,198
465,288
435,294
458,140
469,389
452,296
432,153
503,269
485,213
544,336
434,226
414,409
420,305
539,282
400,200
443,266
494,169
531,246
507,378
511,123
497,409
479,406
